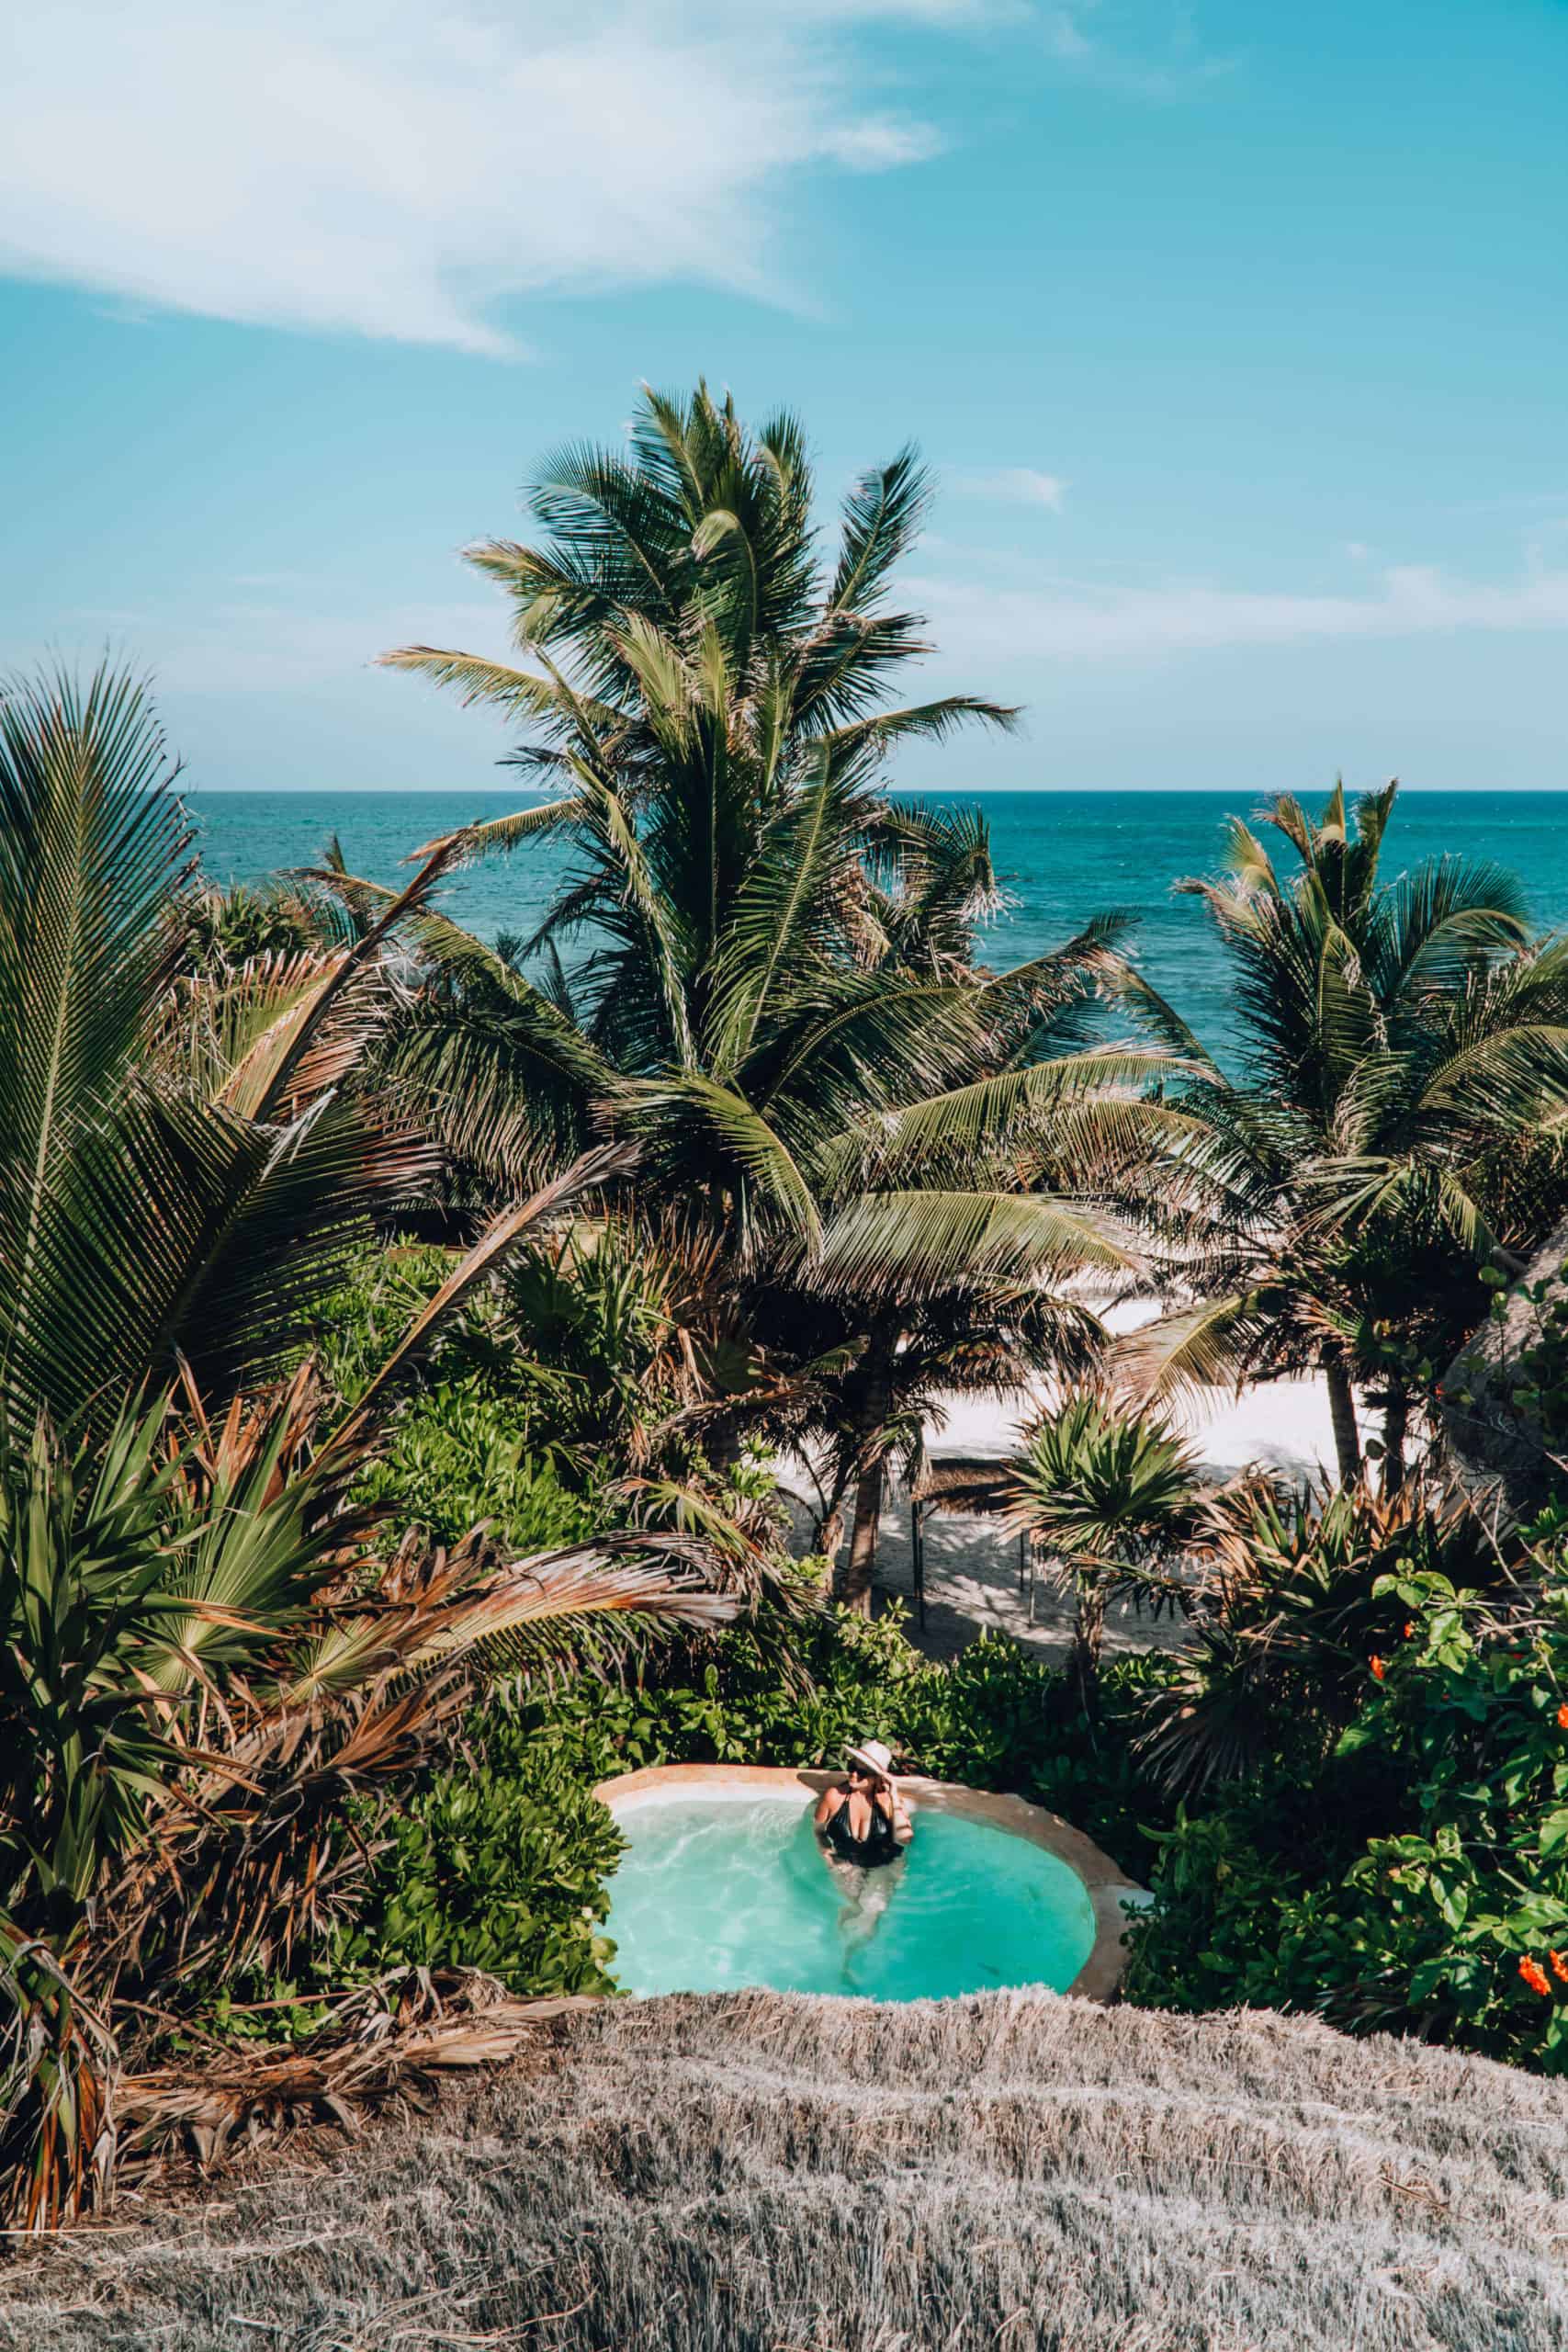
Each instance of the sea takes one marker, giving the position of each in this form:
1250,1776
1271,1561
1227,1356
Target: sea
1062,856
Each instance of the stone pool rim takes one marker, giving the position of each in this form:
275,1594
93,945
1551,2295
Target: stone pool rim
1110,1893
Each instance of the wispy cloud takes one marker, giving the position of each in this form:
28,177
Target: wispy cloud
255,644
1022,485
392,169
1075,621
1137,49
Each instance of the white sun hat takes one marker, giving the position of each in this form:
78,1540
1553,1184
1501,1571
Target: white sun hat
876,1757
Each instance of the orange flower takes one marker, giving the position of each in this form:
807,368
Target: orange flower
1409,1627
1535,1976
1379,1669
1559,1966
1562,1718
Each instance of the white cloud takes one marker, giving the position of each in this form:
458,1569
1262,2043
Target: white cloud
255,645
1082,621
400,167
1021,484
1135,48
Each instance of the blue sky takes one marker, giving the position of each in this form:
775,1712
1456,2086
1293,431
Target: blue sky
1237,335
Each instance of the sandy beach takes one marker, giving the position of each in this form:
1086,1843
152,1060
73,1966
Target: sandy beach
972,1584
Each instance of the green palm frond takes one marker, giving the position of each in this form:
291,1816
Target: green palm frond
882,521
1212,1345
1100,1485
895,1243
497,836
95,851
687,1122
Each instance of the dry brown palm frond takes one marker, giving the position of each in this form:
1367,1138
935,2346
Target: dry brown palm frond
387,2043
252,1856
58,2070
223,1454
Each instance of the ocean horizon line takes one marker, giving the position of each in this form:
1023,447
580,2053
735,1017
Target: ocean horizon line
912,792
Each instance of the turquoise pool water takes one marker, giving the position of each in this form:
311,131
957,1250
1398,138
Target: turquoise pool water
718,1892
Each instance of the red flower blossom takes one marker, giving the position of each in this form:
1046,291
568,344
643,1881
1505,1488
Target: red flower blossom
1562,1718
1379,1669
1409,1627
1559,1966
1535,1976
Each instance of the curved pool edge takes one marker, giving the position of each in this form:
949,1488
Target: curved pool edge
1111,1895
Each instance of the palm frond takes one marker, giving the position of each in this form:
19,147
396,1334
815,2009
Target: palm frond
595,1167
895,1243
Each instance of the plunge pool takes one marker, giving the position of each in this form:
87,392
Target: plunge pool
722,1886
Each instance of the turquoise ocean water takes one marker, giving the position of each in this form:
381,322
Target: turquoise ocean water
1063,856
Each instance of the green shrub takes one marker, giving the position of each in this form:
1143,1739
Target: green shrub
499,1865
1421,1884
459,1456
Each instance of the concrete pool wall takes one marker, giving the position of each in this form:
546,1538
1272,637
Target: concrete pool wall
1111,1895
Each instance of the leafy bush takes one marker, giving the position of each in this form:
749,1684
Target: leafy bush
460,1456
499,1865
1421,1884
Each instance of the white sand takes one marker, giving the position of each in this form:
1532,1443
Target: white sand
1281,1425
972,1584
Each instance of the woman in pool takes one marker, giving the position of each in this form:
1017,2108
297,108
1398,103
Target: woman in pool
862,1825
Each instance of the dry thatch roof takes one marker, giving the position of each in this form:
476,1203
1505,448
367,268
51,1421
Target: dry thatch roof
770,2172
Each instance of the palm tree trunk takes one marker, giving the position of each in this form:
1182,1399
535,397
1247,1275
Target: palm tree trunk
721,1442
830,1526
861,1568
876,1402
1346,1436
1396,1429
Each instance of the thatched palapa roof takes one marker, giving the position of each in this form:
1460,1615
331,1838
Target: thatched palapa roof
773,2172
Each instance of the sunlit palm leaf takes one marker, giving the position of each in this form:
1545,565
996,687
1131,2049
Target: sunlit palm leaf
895,1243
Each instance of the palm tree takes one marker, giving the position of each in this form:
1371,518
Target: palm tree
1391,1129
201,1663
184,1158
1103,1491
776,990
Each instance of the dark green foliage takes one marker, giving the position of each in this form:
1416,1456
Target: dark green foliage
1419,1880
497,1865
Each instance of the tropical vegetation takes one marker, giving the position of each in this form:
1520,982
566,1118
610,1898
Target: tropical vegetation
398,1331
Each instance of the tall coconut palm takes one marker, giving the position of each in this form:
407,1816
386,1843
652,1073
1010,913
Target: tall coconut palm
1393,1124
774,972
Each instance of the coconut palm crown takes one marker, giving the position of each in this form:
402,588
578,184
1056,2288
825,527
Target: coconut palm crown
771,979
1392,1126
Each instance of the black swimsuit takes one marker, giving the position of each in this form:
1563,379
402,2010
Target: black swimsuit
878,1846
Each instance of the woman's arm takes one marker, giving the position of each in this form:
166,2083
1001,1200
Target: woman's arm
897,1813
827,1804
